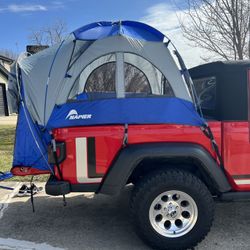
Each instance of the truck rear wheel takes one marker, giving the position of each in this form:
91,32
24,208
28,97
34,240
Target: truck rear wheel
172,209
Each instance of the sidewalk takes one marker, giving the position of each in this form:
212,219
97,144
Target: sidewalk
8,120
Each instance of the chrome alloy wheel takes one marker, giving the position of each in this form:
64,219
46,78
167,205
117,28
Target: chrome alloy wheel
173,213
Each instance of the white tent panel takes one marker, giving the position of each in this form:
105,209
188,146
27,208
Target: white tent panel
35,75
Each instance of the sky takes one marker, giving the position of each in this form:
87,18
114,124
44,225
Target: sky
19,17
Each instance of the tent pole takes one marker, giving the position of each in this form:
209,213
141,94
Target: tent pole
48,80
119,75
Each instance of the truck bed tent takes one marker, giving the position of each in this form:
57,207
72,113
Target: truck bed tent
61,86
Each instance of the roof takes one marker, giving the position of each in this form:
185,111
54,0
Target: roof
238,62
6,59
4,71
136,30
219,67
233,63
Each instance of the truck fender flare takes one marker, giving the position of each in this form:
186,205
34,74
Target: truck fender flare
130,156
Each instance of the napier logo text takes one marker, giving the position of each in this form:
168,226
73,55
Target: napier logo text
73,115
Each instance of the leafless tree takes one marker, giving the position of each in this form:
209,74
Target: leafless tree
102,79
135,80
219,26
49,35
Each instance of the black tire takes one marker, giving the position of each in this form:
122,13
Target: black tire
154,184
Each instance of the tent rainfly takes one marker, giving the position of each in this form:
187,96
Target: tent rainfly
102,73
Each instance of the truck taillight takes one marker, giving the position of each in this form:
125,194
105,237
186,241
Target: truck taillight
23,171
61,153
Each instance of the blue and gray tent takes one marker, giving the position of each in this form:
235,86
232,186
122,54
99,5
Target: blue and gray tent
49,88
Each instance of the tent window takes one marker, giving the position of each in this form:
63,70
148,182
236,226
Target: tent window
135,80
102,79
142,77
166,87
119,75
101,82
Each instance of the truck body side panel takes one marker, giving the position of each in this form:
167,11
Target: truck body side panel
236,153
91,150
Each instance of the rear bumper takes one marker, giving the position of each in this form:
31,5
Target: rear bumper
56,187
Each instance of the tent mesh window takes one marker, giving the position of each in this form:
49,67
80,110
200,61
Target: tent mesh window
135,80
141,79
102,79
141,72
166,87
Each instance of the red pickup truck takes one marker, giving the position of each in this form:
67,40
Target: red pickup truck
173,167
109,107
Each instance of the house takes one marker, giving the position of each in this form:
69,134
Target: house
5,63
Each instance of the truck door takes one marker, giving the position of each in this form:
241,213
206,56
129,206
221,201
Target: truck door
236,148
223,90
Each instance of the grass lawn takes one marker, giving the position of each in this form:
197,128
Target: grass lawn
7,137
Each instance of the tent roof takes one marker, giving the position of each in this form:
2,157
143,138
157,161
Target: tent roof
136,30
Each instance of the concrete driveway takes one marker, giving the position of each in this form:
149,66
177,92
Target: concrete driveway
100,222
